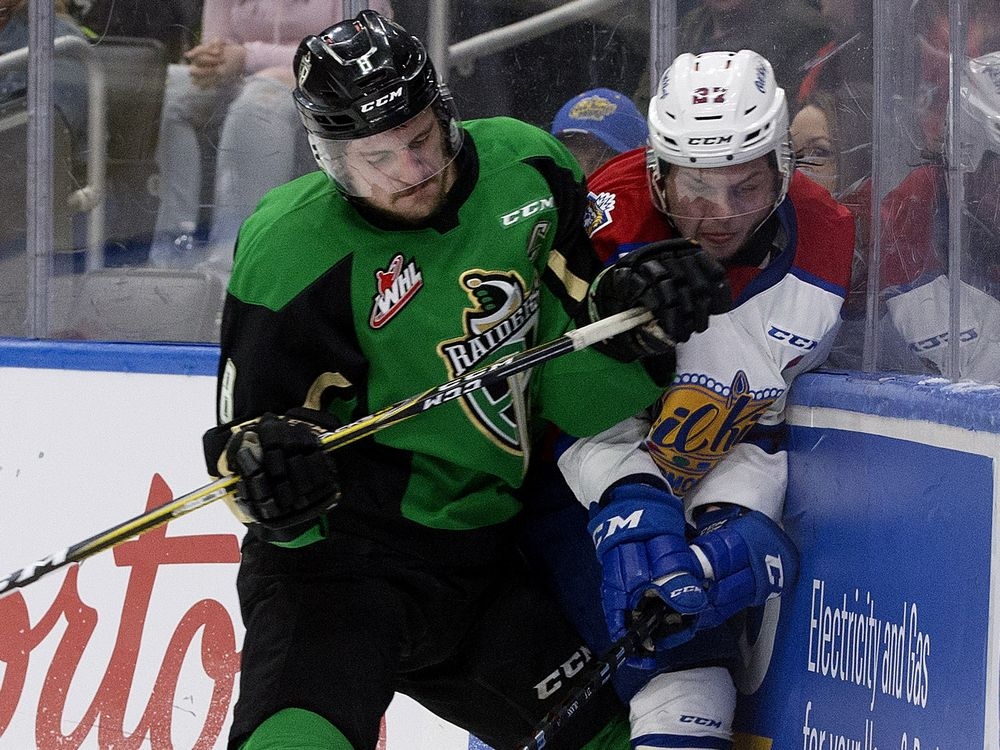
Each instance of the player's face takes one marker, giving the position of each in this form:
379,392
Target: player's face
720,207
404,172
813,145
407,170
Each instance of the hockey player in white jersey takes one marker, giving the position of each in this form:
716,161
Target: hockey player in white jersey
915,231
685,502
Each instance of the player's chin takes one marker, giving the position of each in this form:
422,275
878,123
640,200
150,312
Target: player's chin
721,245
416,205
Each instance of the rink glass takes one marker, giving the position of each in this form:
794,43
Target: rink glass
75,252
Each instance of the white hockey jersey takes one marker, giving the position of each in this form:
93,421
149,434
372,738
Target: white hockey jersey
716,434
917,290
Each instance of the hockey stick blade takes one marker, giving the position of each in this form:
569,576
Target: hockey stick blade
471,381
599,672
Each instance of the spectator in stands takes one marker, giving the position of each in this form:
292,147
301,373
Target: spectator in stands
831,137
832,126
172,22
69,77
70,101
238,82
597,125
789,35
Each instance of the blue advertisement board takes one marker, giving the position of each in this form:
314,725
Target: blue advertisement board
885,641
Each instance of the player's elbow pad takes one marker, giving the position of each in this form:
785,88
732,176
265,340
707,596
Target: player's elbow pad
748,559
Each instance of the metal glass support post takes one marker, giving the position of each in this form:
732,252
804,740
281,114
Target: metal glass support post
881,91
40,156
956,184
438,23
662,39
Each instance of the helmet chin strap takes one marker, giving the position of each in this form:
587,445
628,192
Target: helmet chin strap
759,247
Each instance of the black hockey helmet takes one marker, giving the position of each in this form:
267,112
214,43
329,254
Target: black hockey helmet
362,76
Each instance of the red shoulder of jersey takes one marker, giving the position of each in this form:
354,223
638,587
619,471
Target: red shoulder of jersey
825,229
620,215
907,216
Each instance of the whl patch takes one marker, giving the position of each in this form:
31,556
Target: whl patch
395,287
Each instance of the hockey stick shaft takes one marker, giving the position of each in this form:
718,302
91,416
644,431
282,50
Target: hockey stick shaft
349,433
483,377
599,672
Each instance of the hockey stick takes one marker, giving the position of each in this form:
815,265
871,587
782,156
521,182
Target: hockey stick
599,672
471,381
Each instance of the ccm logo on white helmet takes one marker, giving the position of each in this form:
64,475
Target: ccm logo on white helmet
382,100
710,140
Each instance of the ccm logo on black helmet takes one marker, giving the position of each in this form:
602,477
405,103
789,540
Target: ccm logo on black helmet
382,100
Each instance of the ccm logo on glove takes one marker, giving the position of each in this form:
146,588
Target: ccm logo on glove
776,573
606,529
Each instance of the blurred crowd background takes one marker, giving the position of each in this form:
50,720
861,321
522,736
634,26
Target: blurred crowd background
170,119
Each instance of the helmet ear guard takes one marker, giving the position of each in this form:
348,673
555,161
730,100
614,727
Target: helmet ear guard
715,110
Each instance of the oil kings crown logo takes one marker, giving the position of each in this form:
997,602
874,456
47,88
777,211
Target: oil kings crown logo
598,212
501,322
594,107
395,286
700,421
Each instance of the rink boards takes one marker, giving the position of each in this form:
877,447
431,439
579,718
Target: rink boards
889,639
886,641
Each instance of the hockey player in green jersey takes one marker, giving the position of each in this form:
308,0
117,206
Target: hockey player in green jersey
423,248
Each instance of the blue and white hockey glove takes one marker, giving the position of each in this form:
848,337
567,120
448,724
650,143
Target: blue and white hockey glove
638,531
747,560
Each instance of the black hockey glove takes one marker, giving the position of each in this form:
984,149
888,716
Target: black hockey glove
286,478
676,280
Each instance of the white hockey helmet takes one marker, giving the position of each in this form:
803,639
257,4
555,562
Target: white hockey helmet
981,102
717,109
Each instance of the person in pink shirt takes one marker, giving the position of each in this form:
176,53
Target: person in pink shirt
231,105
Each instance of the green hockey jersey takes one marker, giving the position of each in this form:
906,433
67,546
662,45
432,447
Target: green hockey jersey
336,307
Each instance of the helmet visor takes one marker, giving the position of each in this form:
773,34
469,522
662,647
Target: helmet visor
719,192
397,159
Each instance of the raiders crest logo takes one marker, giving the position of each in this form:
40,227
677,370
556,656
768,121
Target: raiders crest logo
501,321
